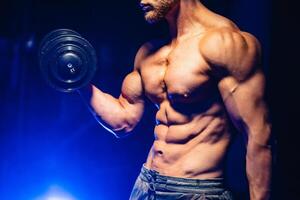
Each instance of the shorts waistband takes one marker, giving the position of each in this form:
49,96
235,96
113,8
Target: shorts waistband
214,185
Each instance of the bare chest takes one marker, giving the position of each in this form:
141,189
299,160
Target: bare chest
179,74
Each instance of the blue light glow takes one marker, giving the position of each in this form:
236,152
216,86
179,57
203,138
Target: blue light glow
56,193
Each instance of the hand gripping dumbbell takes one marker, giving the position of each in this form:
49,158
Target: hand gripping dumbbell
67,60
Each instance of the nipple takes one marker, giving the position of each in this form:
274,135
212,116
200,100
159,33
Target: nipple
159,152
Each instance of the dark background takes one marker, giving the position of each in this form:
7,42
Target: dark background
51,144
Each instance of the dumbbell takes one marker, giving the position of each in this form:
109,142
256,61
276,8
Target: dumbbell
67,60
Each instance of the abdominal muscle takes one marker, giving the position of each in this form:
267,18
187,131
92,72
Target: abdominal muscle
189,145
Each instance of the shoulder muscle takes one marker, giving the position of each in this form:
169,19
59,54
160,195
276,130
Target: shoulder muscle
235,51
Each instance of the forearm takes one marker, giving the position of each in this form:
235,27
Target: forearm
107,110
259,170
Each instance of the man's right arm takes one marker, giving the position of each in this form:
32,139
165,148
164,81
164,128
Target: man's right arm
119,115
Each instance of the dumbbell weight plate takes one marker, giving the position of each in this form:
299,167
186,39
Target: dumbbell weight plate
53,34
68,62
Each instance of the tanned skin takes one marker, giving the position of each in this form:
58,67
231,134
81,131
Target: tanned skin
206,77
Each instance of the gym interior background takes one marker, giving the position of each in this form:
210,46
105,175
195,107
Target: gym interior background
51,146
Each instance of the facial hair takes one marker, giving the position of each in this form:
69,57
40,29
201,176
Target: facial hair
159,11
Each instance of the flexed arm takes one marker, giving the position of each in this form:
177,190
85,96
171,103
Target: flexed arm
118,115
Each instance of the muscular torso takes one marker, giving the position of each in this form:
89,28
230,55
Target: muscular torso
191,132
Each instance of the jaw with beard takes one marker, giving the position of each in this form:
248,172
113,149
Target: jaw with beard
157,10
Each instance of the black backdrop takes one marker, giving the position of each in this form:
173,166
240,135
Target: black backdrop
50,143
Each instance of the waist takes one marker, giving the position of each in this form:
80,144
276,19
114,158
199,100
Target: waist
169,183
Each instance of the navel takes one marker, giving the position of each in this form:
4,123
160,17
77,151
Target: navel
163,86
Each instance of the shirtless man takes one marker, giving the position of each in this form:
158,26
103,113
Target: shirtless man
207,76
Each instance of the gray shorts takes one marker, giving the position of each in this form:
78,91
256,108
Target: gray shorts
150,185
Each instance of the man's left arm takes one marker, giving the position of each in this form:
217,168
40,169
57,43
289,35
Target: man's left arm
247,109
241,83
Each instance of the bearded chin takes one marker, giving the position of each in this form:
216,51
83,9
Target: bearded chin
160,11
153,17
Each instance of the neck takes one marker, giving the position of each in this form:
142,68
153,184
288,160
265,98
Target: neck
188,17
